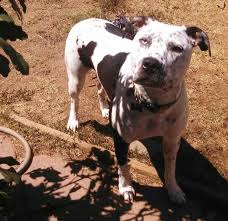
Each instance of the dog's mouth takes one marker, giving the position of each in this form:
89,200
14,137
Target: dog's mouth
147,82
150,77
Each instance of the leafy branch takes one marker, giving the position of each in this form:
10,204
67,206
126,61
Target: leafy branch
10,31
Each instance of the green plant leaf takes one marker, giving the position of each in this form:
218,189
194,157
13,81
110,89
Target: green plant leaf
3,199
4,195
9,176
16,58
6,18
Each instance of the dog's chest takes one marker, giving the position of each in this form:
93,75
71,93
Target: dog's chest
136,124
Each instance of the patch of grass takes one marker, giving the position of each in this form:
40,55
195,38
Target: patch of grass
108,9
158,15
216,116
105,9
13,96
95,133
90,132
41,143
155,14
117,6
52,1
138,8
91,12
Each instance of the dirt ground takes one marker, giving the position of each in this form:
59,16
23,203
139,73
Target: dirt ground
42,95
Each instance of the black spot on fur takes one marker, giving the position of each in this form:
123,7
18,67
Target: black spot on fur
86,52
108,70
136,107
130,92
125,32
113,29
121,148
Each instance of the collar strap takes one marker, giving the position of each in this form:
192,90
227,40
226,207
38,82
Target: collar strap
153,107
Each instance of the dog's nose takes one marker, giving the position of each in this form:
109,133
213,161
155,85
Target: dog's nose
151,65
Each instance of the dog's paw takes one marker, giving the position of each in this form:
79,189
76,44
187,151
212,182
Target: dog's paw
128,193
177,196
105,112
72,124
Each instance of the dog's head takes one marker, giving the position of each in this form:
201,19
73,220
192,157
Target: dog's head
162,52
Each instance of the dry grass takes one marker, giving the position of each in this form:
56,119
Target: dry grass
108,9
14,96
112,6
41,143
88,12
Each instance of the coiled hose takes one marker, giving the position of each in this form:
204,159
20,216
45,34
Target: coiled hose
28,151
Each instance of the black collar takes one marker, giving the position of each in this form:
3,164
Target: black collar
153,107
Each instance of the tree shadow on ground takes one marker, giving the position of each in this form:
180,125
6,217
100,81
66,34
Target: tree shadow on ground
197,176
89,192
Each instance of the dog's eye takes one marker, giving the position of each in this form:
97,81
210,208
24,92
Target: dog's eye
144,41
176,48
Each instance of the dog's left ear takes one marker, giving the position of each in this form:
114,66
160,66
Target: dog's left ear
199,37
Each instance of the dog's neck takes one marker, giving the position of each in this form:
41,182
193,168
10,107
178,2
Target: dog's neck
153,100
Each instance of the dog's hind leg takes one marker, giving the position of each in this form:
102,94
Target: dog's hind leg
75,86
125,182
76,78
104,107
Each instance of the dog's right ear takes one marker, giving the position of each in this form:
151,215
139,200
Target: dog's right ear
134,25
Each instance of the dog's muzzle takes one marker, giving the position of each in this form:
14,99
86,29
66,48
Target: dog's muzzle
151,73
151,65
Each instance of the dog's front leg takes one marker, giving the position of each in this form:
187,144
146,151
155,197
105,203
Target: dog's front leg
125,183
73,121
170,149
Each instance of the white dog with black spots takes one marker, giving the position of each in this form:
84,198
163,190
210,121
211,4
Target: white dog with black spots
143,80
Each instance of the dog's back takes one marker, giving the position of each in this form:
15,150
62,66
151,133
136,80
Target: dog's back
96,43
